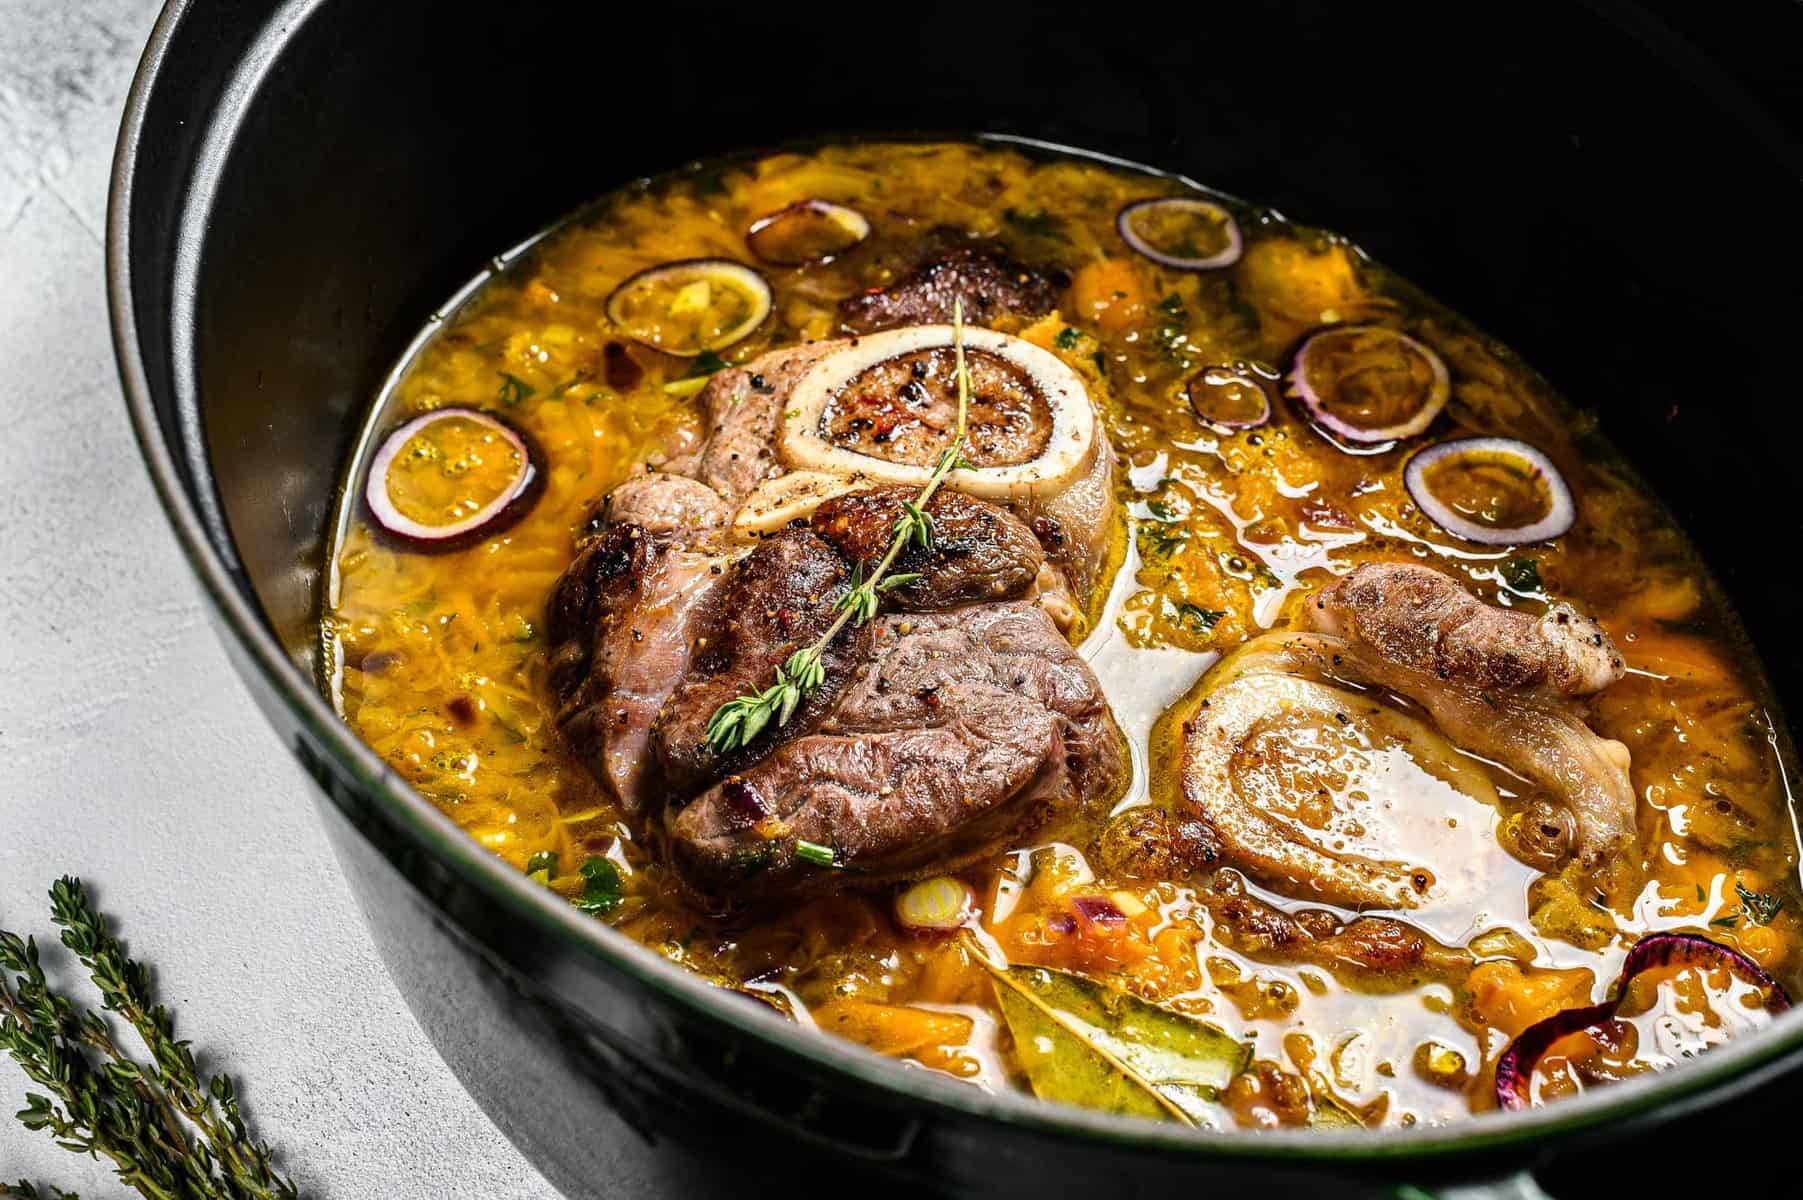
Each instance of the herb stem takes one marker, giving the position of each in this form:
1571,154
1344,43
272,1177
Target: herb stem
169,1132
739,720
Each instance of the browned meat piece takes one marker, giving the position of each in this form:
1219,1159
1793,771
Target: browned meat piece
1077,526
1151,843
663,503
741,404
980,552
956,730
887,804
1418,620
779,599
1499,684
989,283
621,622
1371,951
1012,647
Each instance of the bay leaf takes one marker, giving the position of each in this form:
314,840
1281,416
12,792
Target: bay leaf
1085,1043
1329,1113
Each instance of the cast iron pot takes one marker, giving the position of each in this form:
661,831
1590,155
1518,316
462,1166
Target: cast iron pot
299,185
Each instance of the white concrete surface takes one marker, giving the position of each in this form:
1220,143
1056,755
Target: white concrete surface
129,752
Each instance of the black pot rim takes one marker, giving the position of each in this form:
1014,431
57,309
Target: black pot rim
1653,1096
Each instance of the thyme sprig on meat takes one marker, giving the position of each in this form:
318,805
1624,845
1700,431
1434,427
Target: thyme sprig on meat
738,721
169,1132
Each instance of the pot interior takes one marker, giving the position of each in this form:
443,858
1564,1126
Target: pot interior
1596,179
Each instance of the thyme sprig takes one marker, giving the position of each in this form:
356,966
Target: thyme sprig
169,1132
738,721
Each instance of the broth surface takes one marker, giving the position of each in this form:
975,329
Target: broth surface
439,663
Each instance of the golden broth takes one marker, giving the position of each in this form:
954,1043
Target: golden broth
440,664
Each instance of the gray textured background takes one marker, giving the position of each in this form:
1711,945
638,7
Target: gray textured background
129,753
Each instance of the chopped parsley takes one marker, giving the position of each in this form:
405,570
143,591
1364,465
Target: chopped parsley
582,375
1173,334
705,364
1522,575
1163,540
814,852
1040,224
1759,907
513,389
1161,510
601,890
1203,619
1068,337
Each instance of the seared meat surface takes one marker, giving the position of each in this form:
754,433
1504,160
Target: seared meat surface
660,502
779,600
622,623
1076,524
741,405
956,729
1501,684
1154,843
954,720
1416,619
987,282
1368,950
980,552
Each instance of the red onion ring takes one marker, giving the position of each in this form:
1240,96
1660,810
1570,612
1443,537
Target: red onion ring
1221,375
508,506
1515,1069
1561,510
1365,437
748,281
1225,257
761,236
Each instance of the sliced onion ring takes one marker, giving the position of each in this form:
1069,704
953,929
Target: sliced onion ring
805,232
1561,510
1515,1069
1231,382
508,505
1208,209
677,276
1320,410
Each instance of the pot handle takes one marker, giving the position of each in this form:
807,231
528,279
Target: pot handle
1520,1186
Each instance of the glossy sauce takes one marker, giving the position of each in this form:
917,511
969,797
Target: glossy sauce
439,664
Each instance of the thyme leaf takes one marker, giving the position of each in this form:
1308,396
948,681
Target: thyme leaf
168,1131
